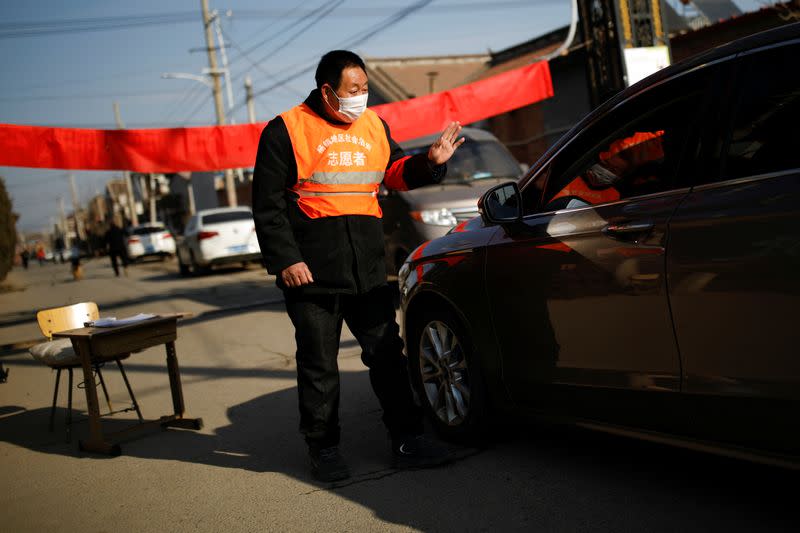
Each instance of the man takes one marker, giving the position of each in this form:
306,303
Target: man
115,240
315,185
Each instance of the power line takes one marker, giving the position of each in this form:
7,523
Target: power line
273,36
287,14
194,112
254,64
61,83
192,96
319,17
347,12
85,96
351,41
17,29
51,27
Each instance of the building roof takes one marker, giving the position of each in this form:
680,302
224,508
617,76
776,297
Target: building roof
400,78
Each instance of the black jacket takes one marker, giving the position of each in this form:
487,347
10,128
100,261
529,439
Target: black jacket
115,238
345,254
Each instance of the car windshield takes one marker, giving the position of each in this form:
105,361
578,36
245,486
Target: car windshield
228,216
476,160
146,230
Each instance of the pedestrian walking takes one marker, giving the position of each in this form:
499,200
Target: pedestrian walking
75,261
117,251
40,256
315,203
59,244
25,255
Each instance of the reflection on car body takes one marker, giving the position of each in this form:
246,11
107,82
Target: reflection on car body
666,309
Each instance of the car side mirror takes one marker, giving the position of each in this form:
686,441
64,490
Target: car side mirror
501,204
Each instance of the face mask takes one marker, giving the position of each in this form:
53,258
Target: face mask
352,107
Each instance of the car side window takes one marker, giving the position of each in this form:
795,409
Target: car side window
633,150
532,193
763,136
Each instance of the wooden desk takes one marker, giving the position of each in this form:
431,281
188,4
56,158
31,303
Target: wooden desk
93,344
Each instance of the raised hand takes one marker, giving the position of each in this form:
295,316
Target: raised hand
444,147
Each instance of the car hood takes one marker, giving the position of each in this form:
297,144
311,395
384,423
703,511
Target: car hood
450,194
465,237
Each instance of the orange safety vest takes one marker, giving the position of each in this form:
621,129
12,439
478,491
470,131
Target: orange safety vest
579,188
339,166
642,146
638,149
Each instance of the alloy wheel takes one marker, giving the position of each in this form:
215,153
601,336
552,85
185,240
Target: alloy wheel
444,373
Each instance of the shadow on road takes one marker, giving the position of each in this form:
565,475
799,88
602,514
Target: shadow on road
215,271
534,477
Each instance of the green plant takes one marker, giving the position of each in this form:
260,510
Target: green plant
8,231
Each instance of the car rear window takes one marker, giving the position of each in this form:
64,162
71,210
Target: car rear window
146,230
475,160
231,216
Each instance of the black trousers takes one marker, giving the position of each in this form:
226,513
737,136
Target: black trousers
318,321
123,256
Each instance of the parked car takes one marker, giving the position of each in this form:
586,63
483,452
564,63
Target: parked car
150,239
413,217
218,236
642,277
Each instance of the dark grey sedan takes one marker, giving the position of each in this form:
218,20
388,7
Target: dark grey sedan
643,278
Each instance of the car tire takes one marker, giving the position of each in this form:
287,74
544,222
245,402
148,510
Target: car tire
447,377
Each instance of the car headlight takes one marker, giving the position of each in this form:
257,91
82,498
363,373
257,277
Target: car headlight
402,275
435,217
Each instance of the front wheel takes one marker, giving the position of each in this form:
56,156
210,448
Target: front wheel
447,377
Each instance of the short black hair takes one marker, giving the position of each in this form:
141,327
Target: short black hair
332,65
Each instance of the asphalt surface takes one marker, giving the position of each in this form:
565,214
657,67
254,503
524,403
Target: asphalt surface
247,470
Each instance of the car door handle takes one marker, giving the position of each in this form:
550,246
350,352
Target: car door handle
631,227
628,229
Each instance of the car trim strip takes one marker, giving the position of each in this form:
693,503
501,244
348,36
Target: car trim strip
747,179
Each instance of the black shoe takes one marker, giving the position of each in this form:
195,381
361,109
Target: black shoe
419,451
328,465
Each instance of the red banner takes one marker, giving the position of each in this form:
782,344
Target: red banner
219,147
469,103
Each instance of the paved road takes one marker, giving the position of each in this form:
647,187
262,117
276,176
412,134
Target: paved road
247,471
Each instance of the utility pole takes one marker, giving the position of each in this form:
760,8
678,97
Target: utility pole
152,198
76,208
126,174
217,90
146,184
251,107
62,220
228,88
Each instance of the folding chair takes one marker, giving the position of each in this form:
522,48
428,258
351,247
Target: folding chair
59,355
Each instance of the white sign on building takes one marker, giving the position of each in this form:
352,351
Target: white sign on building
641,62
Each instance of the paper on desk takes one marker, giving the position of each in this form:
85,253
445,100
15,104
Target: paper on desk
114,321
